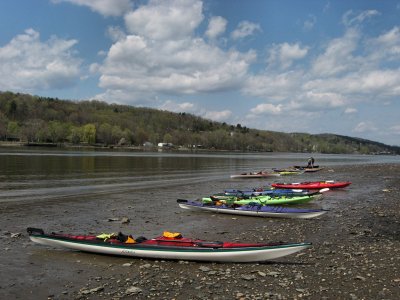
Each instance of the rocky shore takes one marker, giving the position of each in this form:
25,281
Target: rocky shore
355,253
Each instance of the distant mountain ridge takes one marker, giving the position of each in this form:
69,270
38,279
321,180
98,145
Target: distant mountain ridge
45,120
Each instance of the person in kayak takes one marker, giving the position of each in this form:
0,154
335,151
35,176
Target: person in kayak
310,163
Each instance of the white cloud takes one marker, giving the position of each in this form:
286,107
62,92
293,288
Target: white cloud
216,27
351,69
350,19
310,22
173,106
165,20
105,7
162,54
324,100
385,47
26,63
285,54
219,116
184,67
188,107
274,86
395,129
364,127
350,110
115,33
338,57
392,37
244,29
267,108
360,85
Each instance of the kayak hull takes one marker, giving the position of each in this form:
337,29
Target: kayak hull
312,185
255,175
256,211
252,253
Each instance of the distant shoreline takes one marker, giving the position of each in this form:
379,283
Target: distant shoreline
5,144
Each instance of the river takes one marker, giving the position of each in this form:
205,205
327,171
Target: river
36,174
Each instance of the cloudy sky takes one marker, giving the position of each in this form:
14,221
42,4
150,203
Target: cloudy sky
313,66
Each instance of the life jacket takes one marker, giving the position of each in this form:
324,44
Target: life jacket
127,239
172,235
130,240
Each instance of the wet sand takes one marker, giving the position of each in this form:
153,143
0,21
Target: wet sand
355,253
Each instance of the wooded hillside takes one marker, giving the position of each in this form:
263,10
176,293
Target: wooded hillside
34,119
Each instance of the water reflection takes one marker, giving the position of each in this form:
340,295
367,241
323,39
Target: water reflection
32,175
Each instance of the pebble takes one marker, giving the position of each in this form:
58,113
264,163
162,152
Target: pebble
133,290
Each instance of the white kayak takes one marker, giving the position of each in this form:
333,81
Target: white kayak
254,210
166,248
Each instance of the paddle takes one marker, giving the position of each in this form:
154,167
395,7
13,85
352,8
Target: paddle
324,190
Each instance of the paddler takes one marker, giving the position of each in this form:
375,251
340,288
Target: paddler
310,163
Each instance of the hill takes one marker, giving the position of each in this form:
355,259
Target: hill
33,119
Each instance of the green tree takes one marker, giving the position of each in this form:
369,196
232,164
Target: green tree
76,134
13,130
58,132
3,126
167,138
105,133
89,134
12,109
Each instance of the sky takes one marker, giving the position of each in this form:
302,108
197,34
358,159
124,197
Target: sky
312,66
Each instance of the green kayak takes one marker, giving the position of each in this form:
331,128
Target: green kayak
263,200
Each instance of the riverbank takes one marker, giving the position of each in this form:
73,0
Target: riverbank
355,253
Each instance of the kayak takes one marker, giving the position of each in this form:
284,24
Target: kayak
253,210
297,169
331,184
308,169
271,192
289,173
261,174
177,248
263,200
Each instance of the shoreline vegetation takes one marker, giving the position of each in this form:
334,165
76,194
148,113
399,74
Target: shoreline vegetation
39,121
127,148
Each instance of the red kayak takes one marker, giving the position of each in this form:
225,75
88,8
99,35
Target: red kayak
312,185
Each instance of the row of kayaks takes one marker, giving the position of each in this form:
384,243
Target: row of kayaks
295,170
234,201
266,202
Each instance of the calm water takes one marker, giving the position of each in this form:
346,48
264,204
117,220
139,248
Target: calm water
43,174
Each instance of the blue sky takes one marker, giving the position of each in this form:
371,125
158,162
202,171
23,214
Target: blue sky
310,66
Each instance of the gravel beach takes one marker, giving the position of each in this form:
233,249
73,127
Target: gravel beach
355,253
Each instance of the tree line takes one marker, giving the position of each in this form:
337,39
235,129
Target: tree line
34,119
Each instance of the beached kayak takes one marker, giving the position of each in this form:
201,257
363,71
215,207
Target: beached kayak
162,247
253,210
308,169
269,192
263,200
331,184
297,169
288,172
261,174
